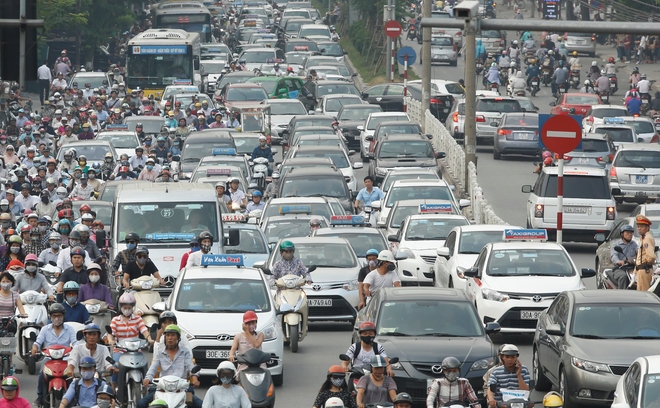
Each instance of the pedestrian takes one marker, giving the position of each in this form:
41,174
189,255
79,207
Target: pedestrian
45,78
645,255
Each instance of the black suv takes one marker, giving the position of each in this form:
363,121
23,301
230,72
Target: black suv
313,90
315,182
402,151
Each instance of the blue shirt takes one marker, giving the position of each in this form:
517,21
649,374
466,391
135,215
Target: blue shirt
77,313
86,395
266,153
180,366
367,198
47,336
505,379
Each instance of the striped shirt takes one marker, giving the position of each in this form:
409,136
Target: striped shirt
507,380
443,391
126,329
363,359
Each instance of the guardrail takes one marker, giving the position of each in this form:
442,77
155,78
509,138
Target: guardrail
482,212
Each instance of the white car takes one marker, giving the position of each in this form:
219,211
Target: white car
339,159
220,293
460,252
644,127
124,141
171,90
512,282
443,86
636,388
417,240
373,120
597,113
332,103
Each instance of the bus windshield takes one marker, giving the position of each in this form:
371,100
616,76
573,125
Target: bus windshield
159,70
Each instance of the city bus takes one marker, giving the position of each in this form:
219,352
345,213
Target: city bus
157,58
190,16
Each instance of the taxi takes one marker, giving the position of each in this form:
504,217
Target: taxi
513,281
355,230
253,244
293,222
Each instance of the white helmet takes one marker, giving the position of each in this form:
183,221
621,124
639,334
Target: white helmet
385,255
225,366
334,402
594,63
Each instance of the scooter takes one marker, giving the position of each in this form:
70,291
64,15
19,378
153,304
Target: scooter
291,302
145,298
29,327
53,374
614,85
255,380
133,366
534,85
412,33
99,311
259,173
8,345
574,79
172,390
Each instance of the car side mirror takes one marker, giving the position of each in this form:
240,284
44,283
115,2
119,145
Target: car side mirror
587,273
471,272
440,155
554,329
393,238
234,237
527,188
492,327
443,252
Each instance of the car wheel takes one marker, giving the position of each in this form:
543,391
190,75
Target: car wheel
563,389
541,381
278,380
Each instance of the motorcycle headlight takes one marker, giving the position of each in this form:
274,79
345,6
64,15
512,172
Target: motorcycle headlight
351,285
255,379
494,295
270,333
590,365
483,364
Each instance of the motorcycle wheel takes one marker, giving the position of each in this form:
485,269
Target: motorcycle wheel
534,91
55,399
5,367
31,364
133,394
293,338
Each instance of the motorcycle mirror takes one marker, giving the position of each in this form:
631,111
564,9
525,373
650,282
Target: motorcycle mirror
110,360
311,269
195,369
41,264
108,329
160,307
394,360
344,357
618,249
79,335
266,271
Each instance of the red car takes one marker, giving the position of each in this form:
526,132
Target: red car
574,103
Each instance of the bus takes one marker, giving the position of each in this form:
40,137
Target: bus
190,16
157,58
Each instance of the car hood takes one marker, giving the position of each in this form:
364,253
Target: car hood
423,245
533,284
406,162
611,351
230,323
432,350
324,274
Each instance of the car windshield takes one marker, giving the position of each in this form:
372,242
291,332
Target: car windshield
93,152
286,108
360,242
641,126
592,146
347,88
651,390
245,145
289,228
312,121
473,241
454,88
616,321
608,112
459,319
251,242
624,135
442,41
638,158
338,158
334,104
332,49
194,152
148,126
581,99
94,81
431,229
314,187
490,34
377,120
358,114
400,129
167,222
498,105
258,57
391,178
322,209
222,295
214,67
529,262
591,187
317,31
418,193
119,140
246,94
323,254
403,149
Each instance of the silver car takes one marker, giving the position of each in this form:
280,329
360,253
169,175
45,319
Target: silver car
443,50
583,43
635,173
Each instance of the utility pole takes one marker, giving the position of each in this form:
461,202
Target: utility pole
22,23
426,60
388,14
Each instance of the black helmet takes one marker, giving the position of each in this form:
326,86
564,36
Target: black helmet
56,308
204,235
168,314
142,250
450,362
132,236
75,234
402,397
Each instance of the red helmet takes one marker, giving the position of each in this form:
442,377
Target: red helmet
289,69
249,316
366,326
611,60
547,161
85,207
546,154
336,369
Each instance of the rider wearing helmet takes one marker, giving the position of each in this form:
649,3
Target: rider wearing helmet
334,388
384,276
256,203
127,255
105,395
31,280
289,264
623,261
360,353
247,339
205,240
165,319
142,266
451,387
75,311
371,256
11,393
73,262
512,374
377,393
82,391
314,224
403,400
95,288
226,393
172,360
552,400
90,348
127,324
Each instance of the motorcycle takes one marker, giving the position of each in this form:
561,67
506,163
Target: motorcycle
370,213
356,373
8,345
534,85
574,79
172,390
608,281
255,380
604,95
614,84
515,398
133,366
53,374
291,302
29,327
412,33
259,173
546,75
145,298
99,311
646,103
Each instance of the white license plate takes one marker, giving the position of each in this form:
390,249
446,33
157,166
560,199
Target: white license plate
523,136
530,314
576,210
217,354
584,160
535,83
641,179
612,85
320,302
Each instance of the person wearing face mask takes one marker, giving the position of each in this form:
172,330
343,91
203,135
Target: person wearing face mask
51,253
334,386
9,299
360,353
89,349
31,280
82,391
451,387
371,257
247,339
194,247
226,394
75,311
77,272
205,240
10,394
142,266
263,150
289,264
108,166
93,175
94,289
105,397
375,387
83,190
127,255
6,222
55,333
384,276
64,229
149,173
45,207
14,251
65,259
161,149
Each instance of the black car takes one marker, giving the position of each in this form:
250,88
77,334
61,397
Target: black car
423,325
314,90
439,104
200,144
315,182
388,96
352,116
307,120
402,151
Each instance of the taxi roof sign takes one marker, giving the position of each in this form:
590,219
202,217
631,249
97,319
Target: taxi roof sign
118,126
234,217
347,220
218,172
223,151
222,260
295,209
525,235
444,208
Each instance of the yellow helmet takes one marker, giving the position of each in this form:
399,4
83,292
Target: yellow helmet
575,53
553,399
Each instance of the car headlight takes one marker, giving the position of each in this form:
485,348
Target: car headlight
351,285
380,171
590,365
270,333
494,295
184,332
483,364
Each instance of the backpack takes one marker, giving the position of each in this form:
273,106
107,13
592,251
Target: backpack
358,348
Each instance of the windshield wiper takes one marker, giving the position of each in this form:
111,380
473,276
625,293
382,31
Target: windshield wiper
442,335
399,334
638,337
588,336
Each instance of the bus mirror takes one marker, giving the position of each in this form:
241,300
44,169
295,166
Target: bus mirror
196,63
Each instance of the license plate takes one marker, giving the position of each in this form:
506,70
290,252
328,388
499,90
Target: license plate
576,210
641,179
612,85
535,83
584,160
523,136
530,314
217,354
320,302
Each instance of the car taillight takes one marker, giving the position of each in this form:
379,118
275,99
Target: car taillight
538,211
567,158
454,117
458,34
589,120
434,100
454,46
655,138
480,118
502,42
593,38
612,172
611,157
611,213
504,132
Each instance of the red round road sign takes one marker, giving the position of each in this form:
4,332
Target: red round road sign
393,29
561,134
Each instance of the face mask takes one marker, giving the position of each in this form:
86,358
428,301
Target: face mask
141,261
6,286
150,167
31,268
42,228
262,144
57,321
391,267
161,144
367,339
6,224
372,264
103,403
91,176
451,377
82,163
44,199
77,175
147,142
15,250
205,248
74,243
55,245
3,141
64,231
94,278
131,246
123,175
87,375
225,380
71,300
108,160
337,382
127,311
